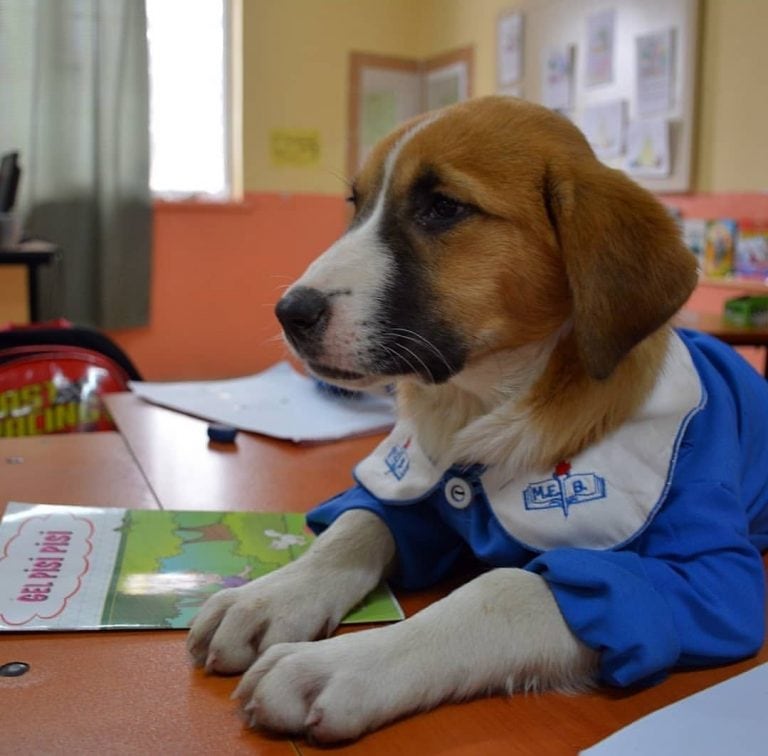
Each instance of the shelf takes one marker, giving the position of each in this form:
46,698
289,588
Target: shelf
757,285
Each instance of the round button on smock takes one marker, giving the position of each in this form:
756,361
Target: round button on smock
458,493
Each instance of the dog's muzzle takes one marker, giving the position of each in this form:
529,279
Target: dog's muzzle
303,313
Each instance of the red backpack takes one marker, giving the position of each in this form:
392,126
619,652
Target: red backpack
53,377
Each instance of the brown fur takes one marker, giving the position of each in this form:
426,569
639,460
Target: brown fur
560,239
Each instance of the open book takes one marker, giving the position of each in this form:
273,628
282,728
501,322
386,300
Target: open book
86,568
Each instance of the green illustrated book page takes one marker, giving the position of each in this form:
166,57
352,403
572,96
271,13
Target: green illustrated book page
85,568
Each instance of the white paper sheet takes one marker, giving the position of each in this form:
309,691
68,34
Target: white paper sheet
729,718
601,36
557,84
648,148
655,72
509,48
278,402
605,127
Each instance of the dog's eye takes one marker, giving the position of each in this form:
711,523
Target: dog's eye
352,197
441,212
444,207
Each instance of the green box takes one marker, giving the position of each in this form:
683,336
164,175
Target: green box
747,311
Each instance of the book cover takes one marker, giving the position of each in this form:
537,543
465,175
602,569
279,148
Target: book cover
752,249
695,237
719,247
87,568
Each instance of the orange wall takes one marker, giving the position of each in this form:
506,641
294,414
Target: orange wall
217,272
736,205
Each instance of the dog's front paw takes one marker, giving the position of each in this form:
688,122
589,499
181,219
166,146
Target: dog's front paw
237,624
304,600
327,691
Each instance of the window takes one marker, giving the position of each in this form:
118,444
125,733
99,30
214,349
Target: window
194,114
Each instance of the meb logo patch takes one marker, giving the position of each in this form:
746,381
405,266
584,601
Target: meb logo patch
563,490
397,459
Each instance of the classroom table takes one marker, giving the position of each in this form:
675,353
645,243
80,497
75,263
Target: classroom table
735,335
31,254
119,692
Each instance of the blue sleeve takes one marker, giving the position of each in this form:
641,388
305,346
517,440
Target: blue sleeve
427,549
690,591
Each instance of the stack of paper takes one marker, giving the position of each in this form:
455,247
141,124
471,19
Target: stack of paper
278,402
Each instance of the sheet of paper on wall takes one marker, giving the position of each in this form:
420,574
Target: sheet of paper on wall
601,36
726,718
509,48
298,148
557,84
655,72
648,148
605,126
279,402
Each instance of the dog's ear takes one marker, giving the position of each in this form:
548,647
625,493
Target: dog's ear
627,267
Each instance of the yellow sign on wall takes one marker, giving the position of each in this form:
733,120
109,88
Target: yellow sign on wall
294,147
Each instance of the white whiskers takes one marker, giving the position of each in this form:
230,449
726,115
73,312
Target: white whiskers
407,333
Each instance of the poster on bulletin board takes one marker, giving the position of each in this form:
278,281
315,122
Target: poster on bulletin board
624,72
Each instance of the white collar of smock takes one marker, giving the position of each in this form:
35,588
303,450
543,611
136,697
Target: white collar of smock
601,498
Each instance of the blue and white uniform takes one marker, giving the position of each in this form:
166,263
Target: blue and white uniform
650,540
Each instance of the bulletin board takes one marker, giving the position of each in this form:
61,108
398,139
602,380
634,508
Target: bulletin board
648,80
385,91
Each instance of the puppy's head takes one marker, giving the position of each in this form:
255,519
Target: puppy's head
483,227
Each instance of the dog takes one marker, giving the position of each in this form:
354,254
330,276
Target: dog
609,472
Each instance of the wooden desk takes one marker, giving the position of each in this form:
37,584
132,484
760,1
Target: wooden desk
136,693
187,472
90,469
716,325
31,254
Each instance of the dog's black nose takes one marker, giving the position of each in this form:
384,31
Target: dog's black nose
302,311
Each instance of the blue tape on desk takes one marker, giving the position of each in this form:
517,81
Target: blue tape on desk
222,434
